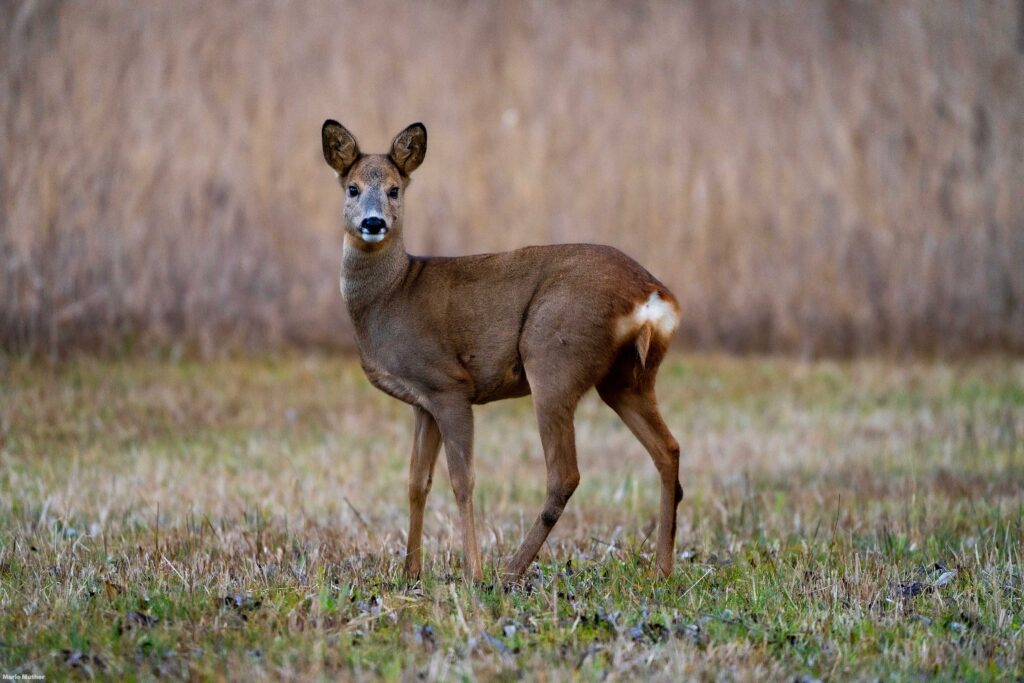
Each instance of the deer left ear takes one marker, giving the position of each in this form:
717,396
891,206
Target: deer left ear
409,147
340,147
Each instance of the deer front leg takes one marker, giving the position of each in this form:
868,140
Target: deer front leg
455,419
426,445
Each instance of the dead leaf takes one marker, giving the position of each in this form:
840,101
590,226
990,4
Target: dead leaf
112,589
909,590
142,619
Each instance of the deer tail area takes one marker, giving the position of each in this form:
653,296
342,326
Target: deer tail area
643,342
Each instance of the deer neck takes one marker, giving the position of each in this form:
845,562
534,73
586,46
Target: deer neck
369,277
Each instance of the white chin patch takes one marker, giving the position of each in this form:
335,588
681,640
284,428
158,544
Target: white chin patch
367,236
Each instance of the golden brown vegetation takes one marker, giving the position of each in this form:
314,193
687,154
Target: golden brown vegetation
807,176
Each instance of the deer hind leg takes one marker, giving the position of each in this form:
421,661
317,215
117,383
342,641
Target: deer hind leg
455,419
555,409
638,408
425,447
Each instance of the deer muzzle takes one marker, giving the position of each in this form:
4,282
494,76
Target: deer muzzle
373,229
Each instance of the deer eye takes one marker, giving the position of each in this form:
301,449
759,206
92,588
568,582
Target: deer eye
353,191
393,193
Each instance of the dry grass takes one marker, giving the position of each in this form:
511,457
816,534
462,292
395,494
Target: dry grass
807,176
245,519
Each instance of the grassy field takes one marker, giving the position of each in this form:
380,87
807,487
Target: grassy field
244,519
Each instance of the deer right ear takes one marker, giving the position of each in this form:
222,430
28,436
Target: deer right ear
409,147
340,147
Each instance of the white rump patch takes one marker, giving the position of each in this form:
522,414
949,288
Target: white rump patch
662,315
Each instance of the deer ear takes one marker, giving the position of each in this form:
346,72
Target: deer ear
340,147
409,147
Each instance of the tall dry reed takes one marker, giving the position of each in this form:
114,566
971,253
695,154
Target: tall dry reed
807,176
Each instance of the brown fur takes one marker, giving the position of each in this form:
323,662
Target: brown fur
443,334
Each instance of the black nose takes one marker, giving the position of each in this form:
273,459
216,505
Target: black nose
373,224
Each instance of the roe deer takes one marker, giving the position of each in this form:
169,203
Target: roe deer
443,334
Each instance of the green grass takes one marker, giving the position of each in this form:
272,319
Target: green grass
245,519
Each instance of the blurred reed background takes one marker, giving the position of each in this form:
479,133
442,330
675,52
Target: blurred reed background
809,177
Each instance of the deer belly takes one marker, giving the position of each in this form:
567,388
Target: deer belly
393,385
506,381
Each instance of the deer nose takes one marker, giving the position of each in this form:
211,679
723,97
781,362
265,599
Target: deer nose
373,224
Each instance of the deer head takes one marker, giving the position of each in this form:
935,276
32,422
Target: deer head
374,184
